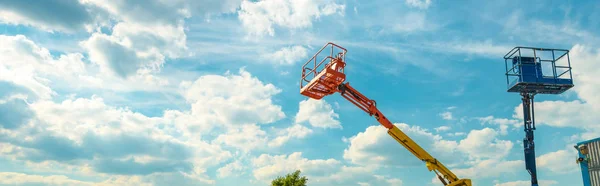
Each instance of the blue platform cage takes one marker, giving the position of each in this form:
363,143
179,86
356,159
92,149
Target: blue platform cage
538,70
589,161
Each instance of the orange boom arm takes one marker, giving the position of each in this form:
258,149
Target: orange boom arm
362,102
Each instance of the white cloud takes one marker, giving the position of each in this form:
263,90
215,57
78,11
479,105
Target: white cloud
26,64
295,131
442,128
92,122
259,18
252,137
457,134
522,26
320,172
503,129
19,50
287,55
553,113
229,169
233,99
227,100
72,16
168,40
245,137
361,149
53,15
70,116
375,147
423,4
500,121
131,47
197,178
32,66
484,144
112,56
357,176
240,103
412,22
318,113
13,178
560,162
490,168
83,132
163,12
124,180
584,62
26,77
89,128
146,35
485,48
527,183
189,125
350,173
333,8
446,115
143,37
141,12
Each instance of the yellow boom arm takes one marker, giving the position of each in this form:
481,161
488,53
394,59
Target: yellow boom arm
447,177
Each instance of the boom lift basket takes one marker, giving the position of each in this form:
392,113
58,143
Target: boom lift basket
538,70
321,76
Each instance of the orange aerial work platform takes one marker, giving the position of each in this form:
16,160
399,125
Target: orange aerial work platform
323,82
326,76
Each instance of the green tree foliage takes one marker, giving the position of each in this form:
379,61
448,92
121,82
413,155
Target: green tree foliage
292,179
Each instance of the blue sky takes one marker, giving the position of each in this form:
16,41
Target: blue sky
207,92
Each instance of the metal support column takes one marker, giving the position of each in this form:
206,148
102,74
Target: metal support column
528,144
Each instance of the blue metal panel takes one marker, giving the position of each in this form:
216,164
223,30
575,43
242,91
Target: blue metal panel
540,87
584,172
589,161
588,141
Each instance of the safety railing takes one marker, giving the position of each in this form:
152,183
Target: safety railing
317,64
541,55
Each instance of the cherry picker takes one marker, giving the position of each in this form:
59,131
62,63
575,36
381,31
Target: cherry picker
536,71
325,77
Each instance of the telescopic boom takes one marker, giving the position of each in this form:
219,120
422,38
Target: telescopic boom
331,79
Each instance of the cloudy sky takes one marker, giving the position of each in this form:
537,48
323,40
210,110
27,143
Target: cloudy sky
206,92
